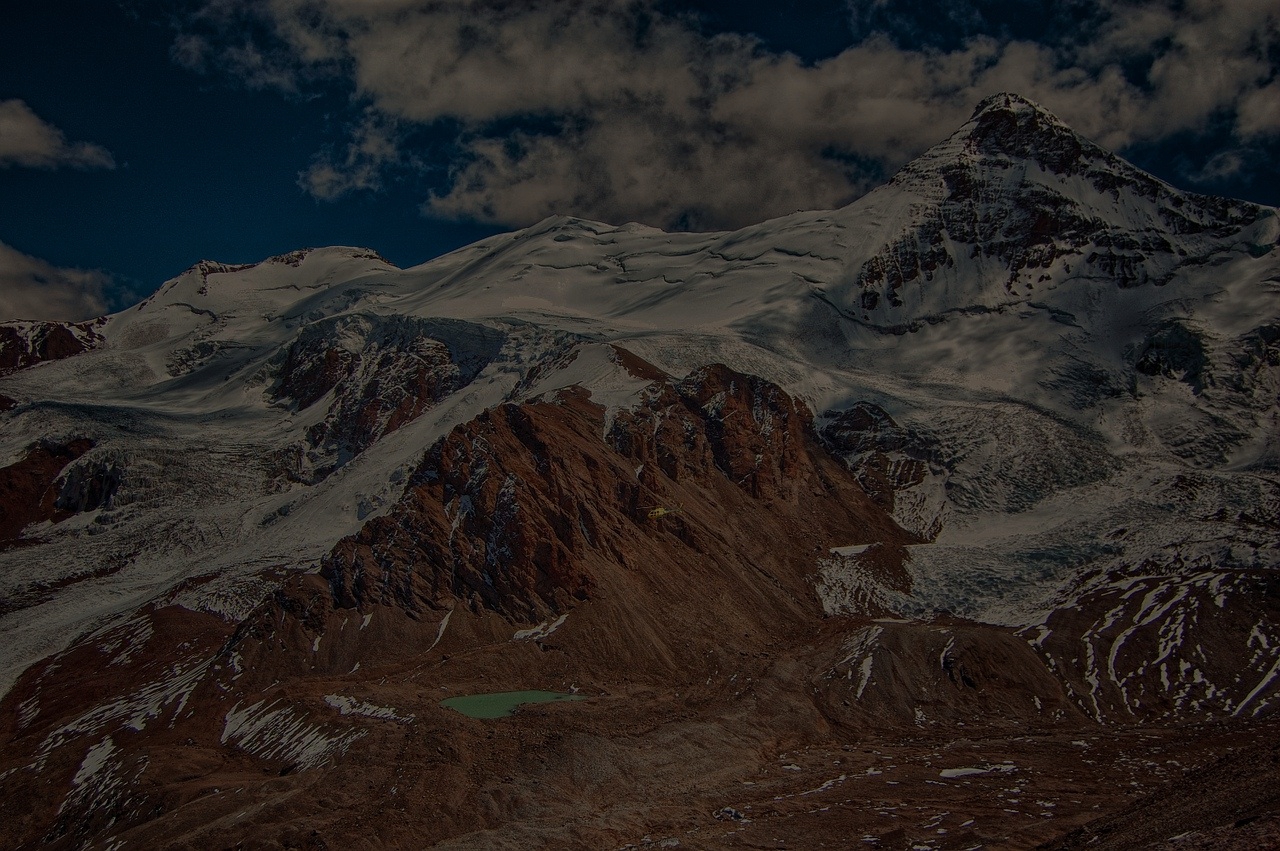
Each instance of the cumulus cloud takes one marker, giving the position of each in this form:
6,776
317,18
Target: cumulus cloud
31,288
1225,164
27,140
373,147
613,109
1204,58
1259,114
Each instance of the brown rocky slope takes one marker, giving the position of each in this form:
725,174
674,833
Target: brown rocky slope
723,709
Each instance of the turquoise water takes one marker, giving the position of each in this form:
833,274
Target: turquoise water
503,703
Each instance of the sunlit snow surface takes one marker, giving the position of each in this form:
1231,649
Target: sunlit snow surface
1057,460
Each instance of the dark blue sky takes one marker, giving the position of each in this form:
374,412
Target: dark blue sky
419,133
206,168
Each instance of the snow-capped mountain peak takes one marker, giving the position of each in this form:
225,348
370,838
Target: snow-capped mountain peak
993,448
1014,204
1010,125
210,284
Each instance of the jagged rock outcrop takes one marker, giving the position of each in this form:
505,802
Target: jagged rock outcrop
25,344
524,509
90,485
379,374
900,468
1017,194
28,487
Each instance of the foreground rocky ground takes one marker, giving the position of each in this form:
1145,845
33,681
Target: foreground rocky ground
746,758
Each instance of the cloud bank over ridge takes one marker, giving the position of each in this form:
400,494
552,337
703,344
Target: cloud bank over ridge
31,288
631,111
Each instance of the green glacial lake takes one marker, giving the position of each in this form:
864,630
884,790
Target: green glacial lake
502,703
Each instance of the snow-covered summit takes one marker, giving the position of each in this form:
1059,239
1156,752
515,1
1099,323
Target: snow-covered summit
210,282
1010,125
1015,204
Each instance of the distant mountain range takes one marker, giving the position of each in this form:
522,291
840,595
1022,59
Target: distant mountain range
979,475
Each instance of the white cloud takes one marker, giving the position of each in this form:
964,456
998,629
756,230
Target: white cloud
1223,165
1207,58
26,140
637,114
1260,112
372,148
31,288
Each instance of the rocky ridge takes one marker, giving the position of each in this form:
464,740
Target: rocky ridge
1018,191
25,344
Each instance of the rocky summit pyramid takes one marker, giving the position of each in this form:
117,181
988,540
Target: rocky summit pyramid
949,519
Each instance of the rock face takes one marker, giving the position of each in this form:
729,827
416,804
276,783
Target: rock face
378,373
1014,584
25,344
531,512
29,491
901,469
520,510
1017,194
